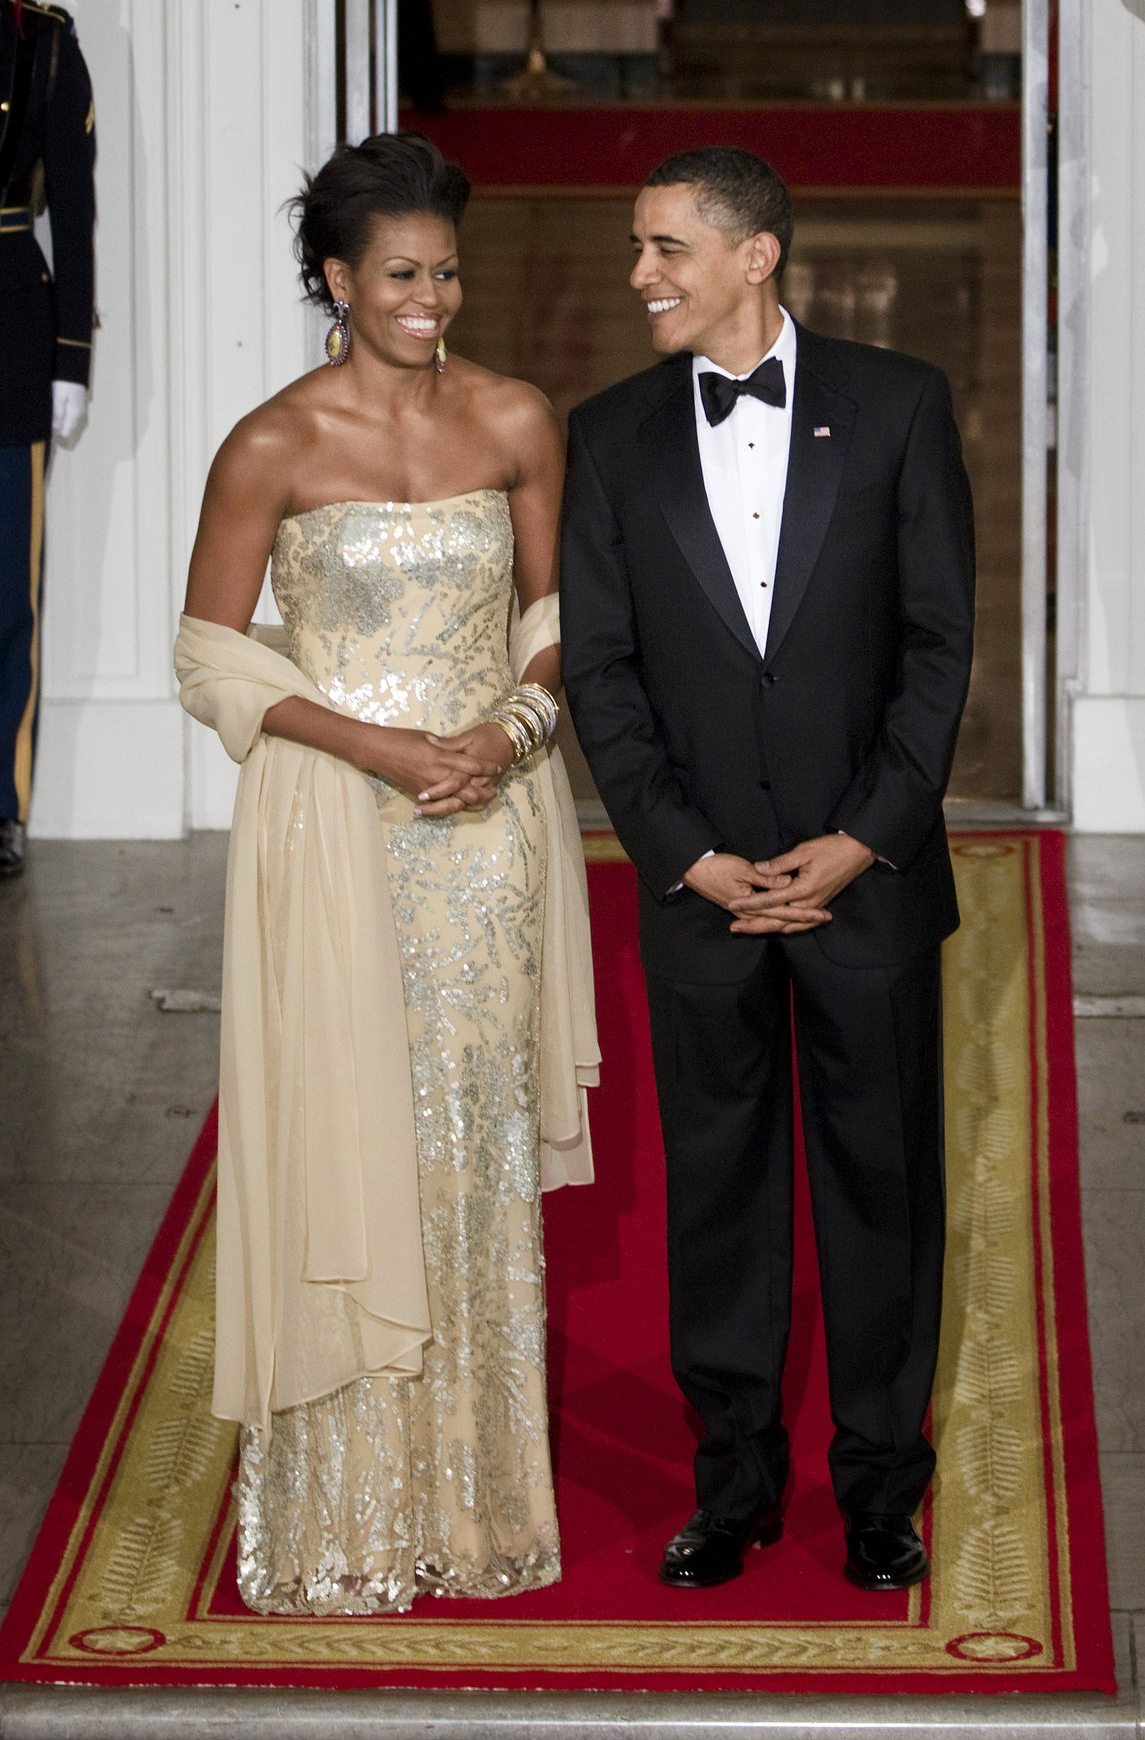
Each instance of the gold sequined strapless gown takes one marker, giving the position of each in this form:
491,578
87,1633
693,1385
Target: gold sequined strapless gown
393,1487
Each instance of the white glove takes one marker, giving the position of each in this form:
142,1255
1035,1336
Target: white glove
69,403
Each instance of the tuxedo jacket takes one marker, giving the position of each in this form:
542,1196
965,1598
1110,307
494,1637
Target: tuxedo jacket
847,720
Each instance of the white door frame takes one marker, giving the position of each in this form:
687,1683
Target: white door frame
1073,218
1035,396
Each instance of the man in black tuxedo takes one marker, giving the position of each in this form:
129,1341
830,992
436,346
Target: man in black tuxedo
767,607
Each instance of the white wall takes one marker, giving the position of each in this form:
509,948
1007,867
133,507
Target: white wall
1102,434
202,123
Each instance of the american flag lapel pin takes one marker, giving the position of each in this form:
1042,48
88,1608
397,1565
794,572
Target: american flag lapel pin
822,432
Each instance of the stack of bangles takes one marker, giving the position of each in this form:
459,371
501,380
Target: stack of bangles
528,717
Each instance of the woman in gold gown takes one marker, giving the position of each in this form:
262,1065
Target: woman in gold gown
407,1025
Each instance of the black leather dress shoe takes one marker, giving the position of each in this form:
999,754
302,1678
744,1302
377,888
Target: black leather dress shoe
11,847
710,1550
883,1551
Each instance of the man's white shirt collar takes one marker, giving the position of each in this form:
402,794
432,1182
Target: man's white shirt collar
784,348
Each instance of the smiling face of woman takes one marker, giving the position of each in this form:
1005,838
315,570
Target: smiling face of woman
404,290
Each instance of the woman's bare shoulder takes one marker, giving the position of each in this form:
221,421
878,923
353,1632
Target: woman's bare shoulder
507,402
280,425
269,441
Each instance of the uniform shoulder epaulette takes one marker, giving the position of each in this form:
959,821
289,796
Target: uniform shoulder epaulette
55,13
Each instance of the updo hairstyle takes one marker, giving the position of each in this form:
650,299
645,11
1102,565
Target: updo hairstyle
387,175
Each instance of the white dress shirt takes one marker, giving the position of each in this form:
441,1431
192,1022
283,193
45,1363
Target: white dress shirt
744,462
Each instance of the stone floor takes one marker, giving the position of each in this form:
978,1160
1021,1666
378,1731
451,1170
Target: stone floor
102,1094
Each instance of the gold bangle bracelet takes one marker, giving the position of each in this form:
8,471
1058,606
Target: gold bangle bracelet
539,696
528,717
515,732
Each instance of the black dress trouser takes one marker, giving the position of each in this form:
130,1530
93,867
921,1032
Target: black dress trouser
869,1051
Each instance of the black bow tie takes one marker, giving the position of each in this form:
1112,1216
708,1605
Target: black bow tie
719,394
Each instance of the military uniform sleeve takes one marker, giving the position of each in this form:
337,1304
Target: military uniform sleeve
69,174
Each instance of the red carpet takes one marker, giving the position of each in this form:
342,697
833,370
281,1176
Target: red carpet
132,1578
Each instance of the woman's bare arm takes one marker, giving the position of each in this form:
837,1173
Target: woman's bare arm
535,504
244,501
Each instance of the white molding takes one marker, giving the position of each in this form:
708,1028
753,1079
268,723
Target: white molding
107,625
357,70
107,622
1103,426
1109,764
241,103
321,126
386,69
1072,384
321,111
114,762
205,114
1035,92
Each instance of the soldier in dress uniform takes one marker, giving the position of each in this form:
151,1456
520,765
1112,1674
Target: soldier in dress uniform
47,153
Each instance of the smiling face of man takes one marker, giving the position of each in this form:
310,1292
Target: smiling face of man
704,291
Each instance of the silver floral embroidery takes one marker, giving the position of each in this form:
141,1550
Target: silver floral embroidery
395,1487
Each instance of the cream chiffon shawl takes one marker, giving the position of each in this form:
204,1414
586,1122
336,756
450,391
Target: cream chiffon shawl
321,1275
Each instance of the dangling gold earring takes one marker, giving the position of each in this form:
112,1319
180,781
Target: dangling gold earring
439,356
338,337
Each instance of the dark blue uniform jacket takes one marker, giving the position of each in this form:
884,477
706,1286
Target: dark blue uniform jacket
47,152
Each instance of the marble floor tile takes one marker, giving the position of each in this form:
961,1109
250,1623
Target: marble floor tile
70,1255
64,1713
121,1107
97,1084
1107,913
28,1474
1111,1102
1114,1226
1123,1498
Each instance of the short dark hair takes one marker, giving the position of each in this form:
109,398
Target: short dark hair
734,190
387,175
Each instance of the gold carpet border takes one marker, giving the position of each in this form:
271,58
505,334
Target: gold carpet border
129,1592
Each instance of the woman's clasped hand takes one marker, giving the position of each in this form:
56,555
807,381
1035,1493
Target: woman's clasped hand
444,774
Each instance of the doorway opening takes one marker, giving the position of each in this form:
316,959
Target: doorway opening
914,135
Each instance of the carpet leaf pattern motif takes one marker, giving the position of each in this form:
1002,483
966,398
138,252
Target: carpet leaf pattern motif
143,1567
993,1576
133,1579
989,1449
990,1456
180,1453
987,1377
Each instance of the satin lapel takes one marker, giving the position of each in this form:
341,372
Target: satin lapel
814,470
668,440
